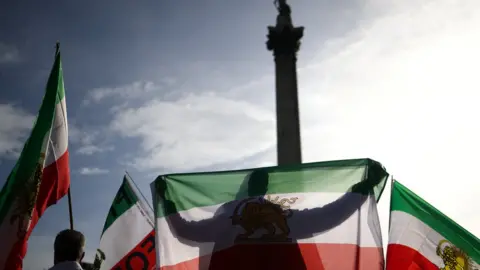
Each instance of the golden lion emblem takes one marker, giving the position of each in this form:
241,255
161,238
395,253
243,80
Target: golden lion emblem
453,258
256,215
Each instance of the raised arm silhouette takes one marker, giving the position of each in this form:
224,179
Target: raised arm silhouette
209,234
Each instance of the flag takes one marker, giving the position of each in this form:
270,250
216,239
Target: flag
128,237
421,237
41,176
311,216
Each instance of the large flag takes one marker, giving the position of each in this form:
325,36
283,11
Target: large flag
41,176
421,237
311,216
128,238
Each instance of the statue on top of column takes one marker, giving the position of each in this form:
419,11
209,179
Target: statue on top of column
282,7
284,13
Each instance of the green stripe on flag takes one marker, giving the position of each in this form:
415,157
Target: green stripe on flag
30,154
123,201
60,84
192,190
407,201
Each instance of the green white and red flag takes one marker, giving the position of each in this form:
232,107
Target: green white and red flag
41,176
311,216
128,237
423,238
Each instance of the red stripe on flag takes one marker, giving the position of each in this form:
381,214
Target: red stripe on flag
142,257
288,256
400,257
54,185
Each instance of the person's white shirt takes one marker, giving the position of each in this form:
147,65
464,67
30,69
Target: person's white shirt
67,266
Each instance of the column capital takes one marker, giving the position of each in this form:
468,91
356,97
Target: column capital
284,39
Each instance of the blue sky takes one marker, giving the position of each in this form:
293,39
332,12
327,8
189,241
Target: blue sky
166,86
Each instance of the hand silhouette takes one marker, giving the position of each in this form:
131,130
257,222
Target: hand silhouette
376,174
364,188
168,205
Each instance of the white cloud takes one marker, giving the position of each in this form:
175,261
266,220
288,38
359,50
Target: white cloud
134,90
93,149
93,171
15,123
87,140
8,53
75,134
400,88
186,133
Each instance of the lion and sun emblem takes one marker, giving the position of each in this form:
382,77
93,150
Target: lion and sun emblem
265,213
454,258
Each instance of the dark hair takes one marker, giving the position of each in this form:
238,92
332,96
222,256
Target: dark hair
69,245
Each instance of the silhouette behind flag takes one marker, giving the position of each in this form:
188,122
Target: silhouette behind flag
272,218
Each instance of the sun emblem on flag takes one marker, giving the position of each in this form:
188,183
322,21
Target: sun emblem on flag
453,258
253,214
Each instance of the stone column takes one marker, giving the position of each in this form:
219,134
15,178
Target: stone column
284,42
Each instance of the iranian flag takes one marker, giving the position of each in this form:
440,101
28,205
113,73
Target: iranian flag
41,175
421,237
128,238
311,216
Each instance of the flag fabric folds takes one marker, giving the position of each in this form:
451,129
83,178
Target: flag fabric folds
421,237
128,237
41,176
311,216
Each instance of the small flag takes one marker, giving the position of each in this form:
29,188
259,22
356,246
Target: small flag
41,176
311,216
128,237
421,237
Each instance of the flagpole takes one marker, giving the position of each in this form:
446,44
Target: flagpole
390,210
139,191
70,212
69,194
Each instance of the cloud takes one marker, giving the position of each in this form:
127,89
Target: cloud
186,132
400,88
88,141
8,54
15,123
93,171
93,149
134,90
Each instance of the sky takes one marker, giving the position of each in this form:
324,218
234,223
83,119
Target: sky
156,87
